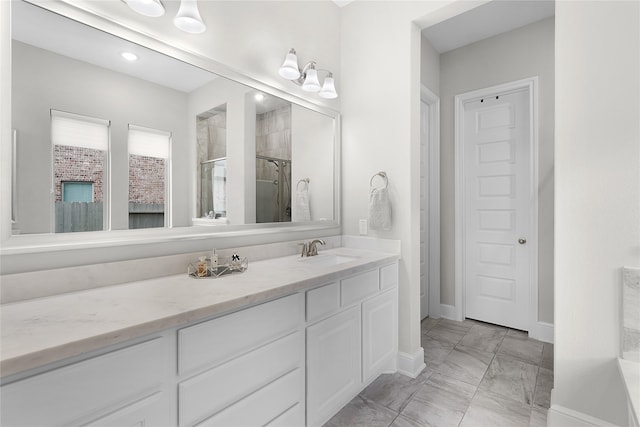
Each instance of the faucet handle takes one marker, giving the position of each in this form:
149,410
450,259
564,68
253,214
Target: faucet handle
305,249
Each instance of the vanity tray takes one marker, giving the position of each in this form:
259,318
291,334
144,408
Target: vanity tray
224,268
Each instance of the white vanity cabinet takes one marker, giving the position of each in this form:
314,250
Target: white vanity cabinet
351,338
124,387
289,362
246,368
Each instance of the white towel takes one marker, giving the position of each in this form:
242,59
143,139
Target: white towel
302,211
379,209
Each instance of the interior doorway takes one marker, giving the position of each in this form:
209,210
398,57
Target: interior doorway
429,204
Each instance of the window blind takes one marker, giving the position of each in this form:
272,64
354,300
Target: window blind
79,131
148,142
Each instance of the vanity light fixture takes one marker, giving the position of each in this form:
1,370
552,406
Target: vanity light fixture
151,8
308,76
188,18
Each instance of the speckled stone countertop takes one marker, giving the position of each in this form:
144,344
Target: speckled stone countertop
46,330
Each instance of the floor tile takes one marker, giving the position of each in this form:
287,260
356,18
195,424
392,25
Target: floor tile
435,351
515,333
466,364
491,410
547,356
525,350
361,412
463,326
511,379
393,390
447,333
402,421
544,384
483,338
441,402
428,323
538,417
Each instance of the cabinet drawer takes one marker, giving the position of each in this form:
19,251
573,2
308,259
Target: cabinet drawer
356,288
80,392
323,301
220,387
293,417
264,405
389,276
211,343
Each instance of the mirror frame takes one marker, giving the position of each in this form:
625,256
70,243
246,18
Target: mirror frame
20,245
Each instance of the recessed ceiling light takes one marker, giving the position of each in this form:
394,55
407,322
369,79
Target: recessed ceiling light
259,97
129,56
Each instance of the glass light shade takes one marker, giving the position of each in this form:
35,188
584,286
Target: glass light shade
328,88
188,18
151,8
311,82
289,69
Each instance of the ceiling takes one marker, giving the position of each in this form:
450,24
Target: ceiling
487,20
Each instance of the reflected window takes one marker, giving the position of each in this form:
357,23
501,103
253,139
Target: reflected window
77,192
80,152
148,168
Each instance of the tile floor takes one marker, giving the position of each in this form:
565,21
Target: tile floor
477,375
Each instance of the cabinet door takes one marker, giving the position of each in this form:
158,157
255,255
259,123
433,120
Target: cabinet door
380,334
333,364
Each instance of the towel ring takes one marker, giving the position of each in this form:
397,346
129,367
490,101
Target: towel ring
383,175
306,182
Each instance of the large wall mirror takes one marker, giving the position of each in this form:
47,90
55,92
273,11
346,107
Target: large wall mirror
111,135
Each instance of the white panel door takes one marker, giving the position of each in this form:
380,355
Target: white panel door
496,143
424,210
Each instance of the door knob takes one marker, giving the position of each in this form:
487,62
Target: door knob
522,240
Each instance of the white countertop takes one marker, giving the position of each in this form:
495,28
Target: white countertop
46,330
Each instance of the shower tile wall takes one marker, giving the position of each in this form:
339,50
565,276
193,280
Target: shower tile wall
212,137
273,137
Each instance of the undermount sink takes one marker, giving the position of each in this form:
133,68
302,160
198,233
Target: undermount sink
328,259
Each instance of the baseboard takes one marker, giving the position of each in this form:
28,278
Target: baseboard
448,312
542,331
411,364
559,416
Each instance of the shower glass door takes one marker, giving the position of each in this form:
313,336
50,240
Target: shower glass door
273,189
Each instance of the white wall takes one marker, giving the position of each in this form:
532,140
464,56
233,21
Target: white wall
381,132
429,66
313,159
43,81
597,200
521,53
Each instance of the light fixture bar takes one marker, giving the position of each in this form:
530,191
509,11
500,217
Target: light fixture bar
307,78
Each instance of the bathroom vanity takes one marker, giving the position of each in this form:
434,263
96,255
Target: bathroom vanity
287,343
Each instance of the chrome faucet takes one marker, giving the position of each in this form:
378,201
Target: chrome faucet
311,248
